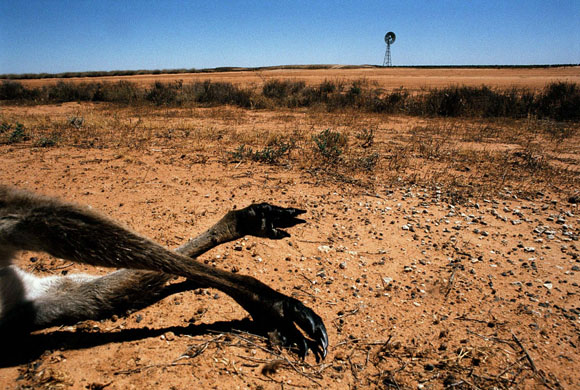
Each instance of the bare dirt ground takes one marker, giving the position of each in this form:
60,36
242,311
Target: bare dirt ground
452,261
388,78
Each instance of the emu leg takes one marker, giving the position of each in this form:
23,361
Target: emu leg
66,231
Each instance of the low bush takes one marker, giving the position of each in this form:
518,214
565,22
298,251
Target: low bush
164,93
122,92
271,154
282,89
218,93
558,101
13,133
13,90
330,145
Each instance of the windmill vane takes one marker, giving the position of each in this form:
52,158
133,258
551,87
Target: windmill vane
389,40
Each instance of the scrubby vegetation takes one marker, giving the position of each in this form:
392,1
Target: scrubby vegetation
558,101
271,154
11,133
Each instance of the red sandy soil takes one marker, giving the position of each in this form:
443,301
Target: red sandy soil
338,264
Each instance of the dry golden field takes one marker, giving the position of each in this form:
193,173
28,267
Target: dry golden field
388,78
440,252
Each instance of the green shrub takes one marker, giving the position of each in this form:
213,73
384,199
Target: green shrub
4,127
12,134
330,144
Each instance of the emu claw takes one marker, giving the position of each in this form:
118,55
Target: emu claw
312,325
266,220
292,325
312,335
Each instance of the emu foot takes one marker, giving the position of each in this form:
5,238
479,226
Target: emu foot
266,220
297,327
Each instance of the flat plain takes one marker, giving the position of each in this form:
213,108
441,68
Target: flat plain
388,78
441,252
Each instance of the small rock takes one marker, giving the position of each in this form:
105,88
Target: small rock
169,336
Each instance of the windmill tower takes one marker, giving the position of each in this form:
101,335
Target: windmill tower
389,40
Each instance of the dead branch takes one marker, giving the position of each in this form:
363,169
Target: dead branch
525,351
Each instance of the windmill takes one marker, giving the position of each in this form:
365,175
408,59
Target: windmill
389,40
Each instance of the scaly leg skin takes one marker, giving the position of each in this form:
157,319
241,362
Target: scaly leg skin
28,222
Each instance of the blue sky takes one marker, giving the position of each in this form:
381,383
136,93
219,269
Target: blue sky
60,36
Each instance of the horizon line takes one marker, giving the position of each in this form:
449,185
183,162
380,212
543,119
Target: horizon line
222,69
